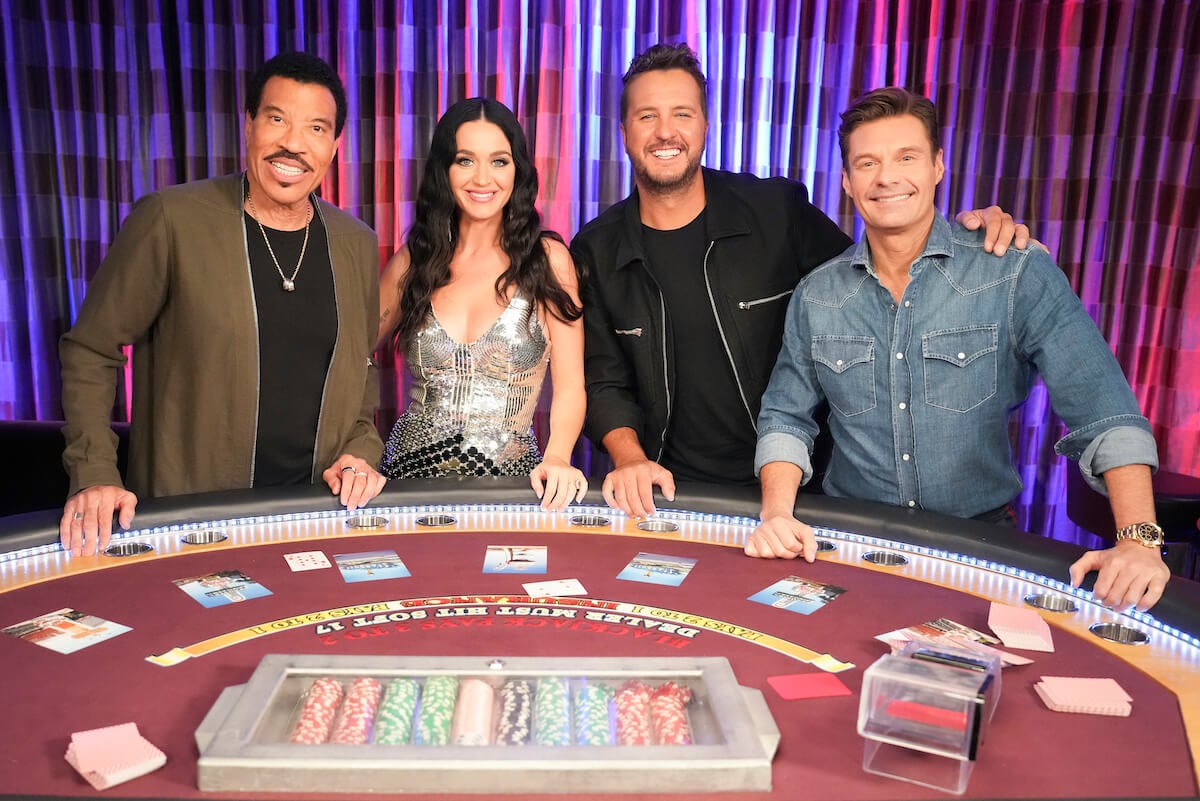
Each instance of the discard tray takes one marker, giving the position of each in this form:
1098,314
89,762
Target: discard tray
697,732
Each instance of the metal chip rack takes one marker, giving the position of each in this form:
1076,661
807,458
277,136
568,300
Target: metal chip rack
245,742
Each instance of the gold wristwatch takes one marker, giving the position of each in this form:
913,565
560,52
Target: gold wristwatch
1148,534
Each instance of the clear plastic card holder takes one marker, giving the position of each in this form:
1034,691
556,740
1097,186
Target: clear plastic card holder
964,658
922,720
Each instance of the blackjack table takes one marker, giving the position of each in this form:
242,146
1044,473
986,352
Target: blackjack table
890,569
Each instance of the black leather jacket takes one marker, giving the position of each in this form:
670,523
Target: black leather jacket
763,236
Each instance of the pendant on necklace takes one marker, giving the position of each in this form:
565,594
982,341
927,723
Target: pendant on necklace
289,285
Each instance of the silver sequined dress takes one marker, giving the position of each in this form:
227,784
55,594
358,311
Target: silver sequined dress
470,407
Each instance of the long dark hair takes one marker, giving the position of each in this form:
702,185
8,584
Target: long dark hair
431,240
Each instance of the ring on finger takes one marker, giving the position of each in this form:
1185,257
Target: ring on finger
349,468
77,516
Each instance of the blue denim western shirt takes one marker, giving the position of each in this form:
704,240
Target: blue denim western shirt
920,391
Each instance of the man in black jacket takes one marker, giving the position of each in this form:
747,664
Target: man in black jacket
690,277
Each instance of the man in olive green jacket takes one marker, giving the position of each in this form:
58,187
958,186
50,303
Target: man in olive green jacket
250,305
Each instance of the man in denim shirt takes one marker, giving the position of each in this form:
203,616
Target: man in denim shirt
923,343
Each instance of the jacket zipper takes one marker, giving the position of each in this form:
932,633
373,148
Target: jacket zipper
662,308
737,379
750,304
662,437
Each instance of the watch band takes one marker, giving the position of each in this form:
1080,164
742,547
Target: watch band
1148,534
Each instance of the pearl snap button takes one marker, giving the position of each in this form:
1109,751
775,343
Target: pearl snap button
962,355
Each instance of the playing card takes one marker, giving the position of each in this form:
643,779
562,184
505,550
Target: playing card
307,560
1018,627
553,589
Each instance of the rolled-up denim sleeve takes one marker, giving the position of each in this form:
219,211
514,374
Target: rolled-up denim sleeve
1087,387
1116,447
786,421
779,446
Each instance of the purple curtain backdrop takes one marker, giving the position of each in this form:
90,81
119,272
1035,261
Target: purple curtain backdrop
1079,117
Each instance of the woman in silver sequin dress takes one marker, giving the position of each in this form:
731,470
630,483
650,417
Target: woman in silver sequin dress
480,301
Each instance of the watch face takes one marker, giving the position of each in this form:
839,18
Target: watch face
1147,534
1150,534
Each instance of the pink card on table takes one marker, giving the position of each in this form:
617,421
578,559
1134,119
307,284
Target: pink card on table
797,686
1086,696
113,754
1020,628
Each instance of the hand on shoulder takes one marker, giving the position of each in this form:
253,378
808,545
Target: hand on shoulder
1000,229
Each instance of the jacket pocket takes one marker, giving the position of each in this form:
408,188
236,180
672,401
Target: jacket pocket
846,369
960,366
636,360
747,305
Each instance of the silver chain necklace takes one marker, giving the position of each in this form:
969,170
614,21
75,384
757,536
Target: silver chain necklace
289,284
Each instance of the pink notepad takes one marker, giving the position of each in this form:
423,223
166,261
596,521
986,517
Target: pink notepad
1020,628
1084,696
113,754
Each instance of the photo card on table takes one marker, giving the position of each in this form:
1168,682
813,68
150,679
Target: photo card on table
370,566
221,588
515,559
657,568
65,630
796,594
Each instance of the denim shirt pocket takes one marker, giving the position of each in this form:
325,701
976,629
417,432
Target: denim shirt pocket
846,369
960,366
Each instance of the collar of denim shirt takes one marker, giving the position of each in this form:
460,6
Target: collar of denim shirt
939,243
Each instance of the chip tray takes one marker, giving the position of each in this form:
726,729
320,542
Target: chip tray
308,723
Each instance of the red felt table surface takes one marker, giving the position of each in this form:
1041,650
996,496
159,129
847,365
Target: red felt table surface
1029,751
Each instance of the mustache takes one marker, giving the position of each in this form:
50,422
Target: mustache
287,154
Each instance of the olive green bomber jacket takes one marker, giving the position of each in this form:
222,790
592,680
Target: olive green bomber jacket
176,285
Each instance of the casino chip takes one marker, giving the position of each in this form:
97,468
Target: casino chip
316,717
